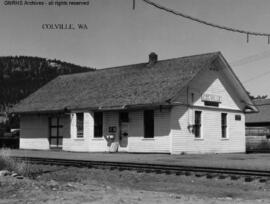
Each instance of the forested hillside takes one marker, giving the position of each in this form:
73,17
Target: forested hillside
20,76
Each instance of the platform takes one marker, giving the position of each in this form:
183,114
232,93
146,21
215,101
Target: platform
237,161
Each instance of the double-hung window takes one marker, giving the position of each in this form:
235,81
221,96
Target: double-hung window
224,133
79,124
197,124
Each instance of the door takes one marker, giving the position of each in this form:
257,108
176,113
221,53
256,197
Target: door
123,131
55,133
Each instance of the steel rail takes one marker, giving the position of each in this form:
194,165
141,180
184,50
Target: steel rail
147,167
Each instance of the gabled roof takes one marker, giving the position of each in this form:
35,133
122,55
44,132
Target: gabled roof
263,116
137,84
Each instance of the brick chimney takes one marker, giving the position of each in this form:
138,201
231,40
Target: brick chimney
153,58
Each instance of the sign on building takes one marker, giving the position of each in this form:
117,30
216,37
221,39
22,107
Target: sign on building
211,98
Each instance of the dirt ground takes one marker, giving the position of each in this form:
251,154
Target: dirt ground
56,184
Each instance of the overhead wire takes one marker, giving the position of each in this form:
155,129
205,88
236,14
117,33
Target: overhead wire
227,28
251,58
256,77
235,63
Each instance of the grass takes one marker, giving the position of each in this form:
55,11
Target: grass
11,164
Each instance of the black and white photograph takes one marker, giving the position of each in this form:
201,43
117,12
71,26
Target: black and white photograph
134,101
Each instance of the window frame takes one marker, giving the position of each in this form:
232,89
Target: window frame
100,125
80,133
198,126
148,124
224,126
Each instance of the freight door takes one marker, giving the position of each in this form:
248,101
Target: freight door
55,133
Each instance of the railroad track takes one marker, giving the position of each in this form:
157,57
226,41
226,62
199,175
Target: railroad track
209,172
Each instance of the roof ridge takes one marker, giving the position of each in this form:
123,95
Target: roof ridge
137,64
195,55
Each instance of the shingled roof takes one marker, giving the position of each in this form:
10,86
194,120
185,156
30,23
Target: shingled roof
263,116
138,84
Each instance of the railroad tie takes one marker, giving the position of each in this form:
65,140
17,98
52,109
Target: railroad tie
262,180
158,171
222,176
234,177
188,173
249,179
148,171
200,174
179,173
210,176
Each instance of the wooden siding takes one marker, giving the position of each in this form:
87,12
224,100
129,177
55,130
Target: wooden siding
101,144
171,132
161,140
34,132
110,119
258,143
258,139
136,141
183,140
73,143
210,82
88,143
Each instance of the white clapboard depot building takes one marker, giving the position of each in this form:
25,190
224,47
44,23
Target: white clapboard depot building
193,104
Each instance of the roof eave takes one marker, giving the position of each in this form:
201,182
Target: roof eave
100,108
252,122
247,101
41,112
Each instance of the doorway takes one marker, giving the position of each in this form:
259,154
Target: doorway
55,133
123,131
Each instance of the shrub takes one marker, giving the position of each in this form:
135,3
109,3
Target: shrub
11,164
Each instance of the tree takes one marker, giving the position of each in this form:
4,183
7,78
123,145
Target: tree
257,97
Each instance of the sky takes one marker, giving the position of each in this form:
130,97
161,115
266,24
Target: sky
118,35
